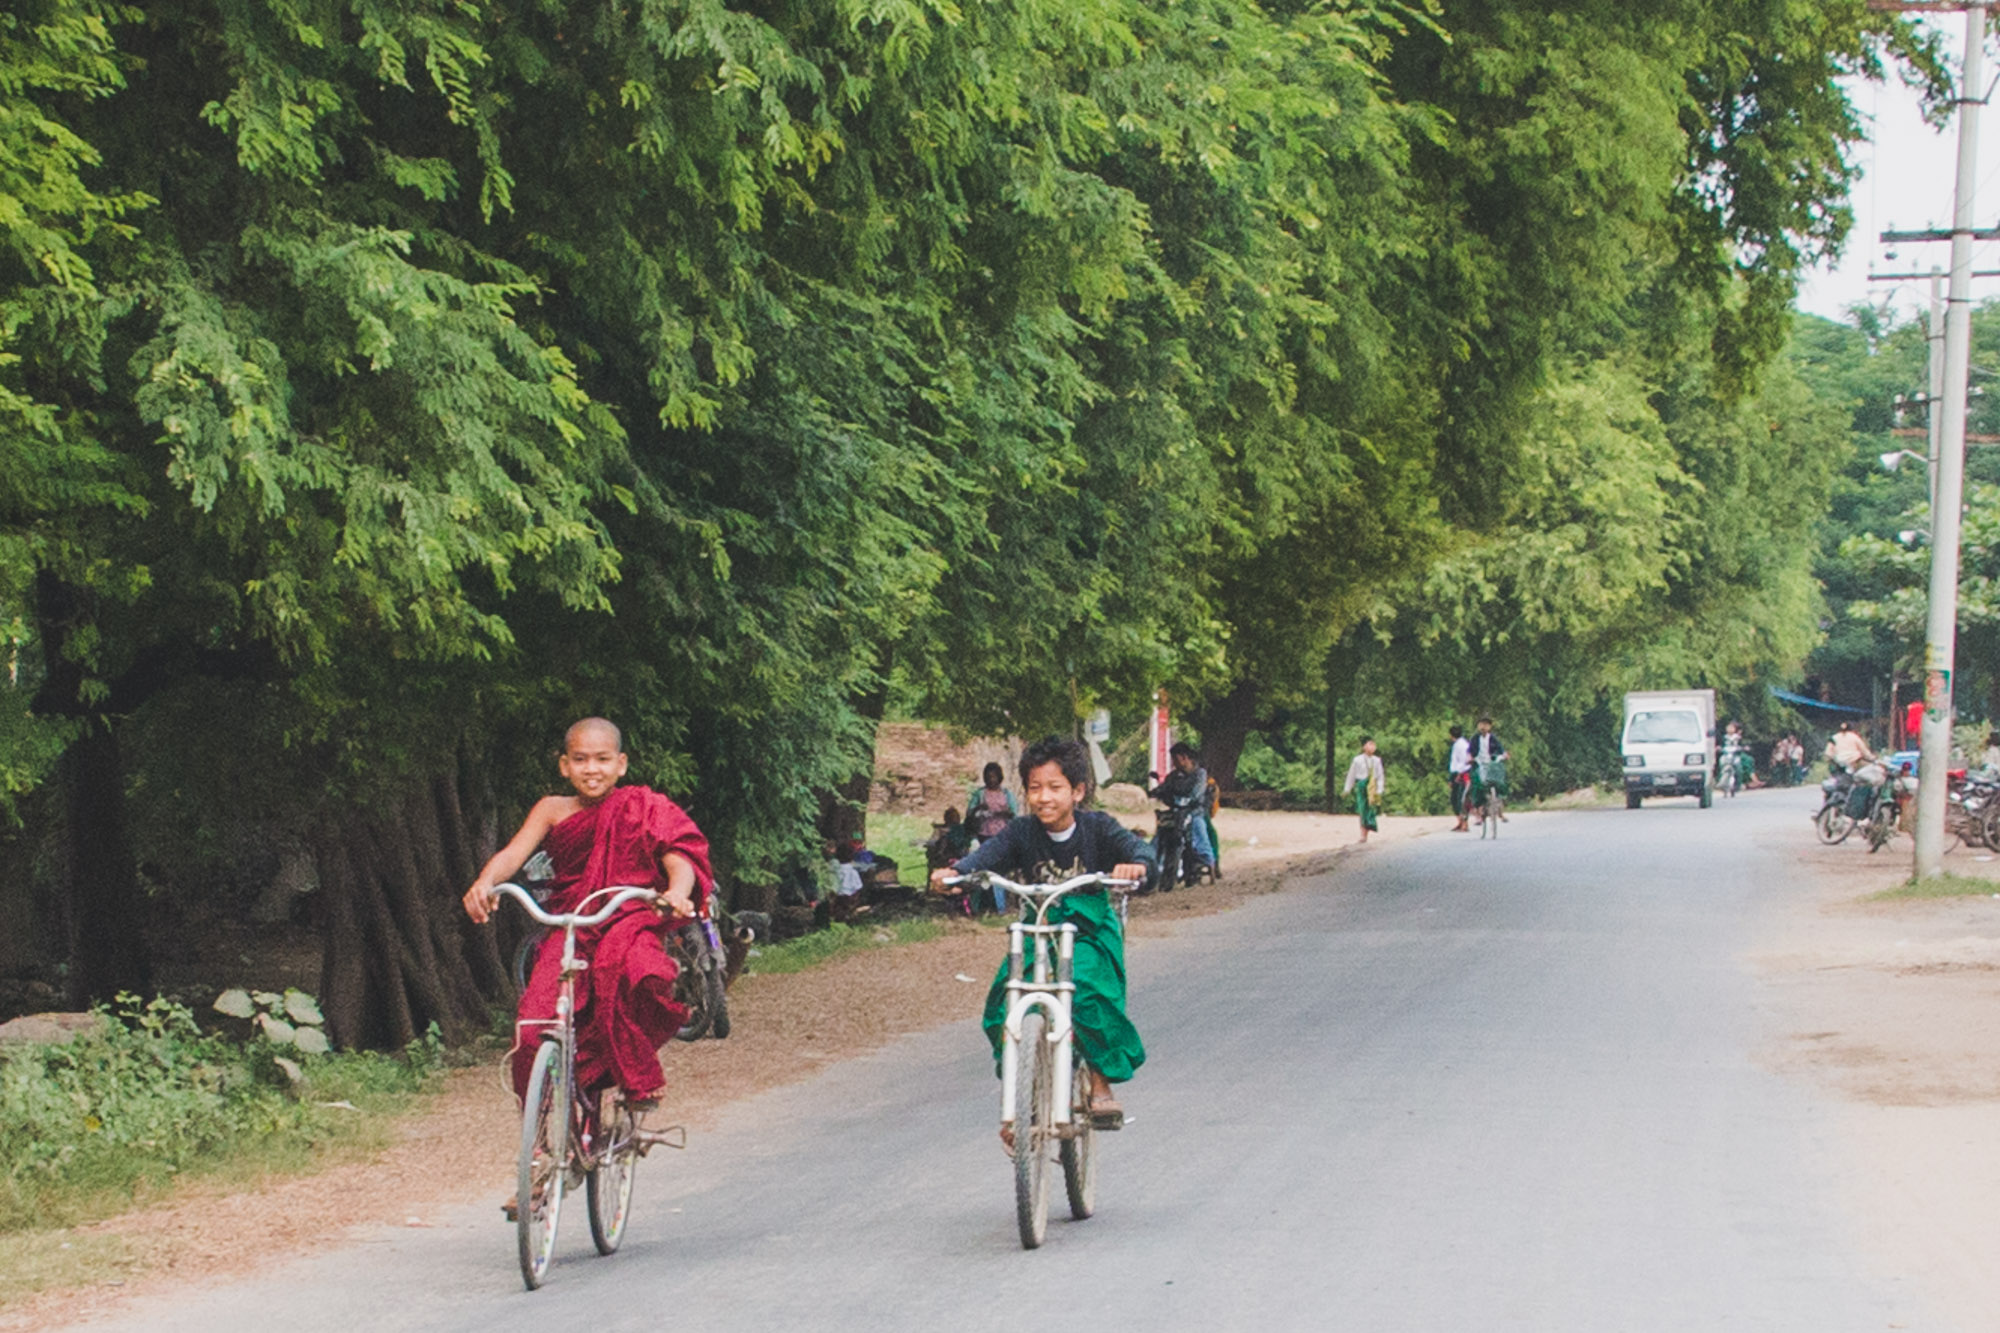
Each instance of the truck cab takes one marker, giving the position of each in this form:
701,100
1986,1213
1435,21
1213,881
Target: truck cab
1668,742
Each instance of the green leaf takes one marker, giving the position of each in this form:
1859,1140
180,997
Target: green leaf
302,1008
312,1041
235,1003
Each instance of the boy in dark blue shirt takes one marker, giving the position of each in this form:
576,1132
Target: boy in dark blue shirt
1054,841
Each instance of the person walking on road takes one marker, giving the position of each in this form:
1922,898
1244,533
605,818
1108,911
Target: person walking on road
1364,779
1459,770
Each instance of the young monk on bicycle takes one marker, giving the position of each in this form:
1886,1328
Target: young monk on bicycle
1054,841
605,835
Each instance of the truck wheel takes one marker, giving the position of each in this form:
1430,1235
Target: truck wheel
1707,796
1631,800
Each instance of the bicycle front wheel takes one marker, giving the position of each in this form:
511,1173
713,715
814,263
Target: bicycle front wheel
1079,1160
610,1186
1489,819
538,1181
1833,824
1034,1089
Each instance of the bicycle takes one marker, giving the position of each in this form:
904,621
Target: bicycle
562,1141
701,980
1493,807
1049,1103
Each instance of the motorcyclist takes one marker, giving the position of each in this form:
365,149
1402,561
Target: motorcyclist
1185,788
1736,750
1847,750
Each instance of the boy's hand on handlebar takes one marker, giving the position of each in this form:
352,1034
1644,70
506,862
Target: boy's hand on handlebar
480,900
1131,870
938,878
676,903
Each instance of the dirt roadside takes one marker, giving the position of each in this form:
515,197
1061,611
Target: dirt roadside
786,1027
1893,1006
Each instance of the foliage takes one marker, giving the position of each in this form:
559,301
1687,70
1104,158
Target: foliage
398,381
145,1097
1873,575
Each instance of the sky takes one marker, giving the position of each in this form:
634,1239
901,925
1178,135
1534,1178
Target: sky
1906,183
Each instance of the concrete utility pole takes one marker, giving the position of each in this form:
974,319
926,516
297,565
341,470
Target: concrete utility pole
1948,473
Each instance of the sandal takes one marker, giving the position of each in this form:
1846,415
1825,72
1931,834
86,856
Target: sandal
1106,1113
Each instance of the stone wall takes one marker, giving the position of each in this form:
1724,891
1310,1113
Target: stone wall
920,770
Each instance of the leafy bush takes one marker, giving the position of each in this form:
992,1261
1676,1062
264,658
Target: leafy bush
121,1110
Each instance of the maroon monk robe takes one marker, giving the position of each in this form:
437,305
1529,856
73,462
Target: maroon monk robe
625,999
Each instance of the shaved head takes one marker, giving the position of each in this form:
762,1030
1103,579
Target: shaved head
592,727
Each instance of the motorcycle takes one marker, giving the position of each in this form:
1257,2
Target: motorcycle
1174,842
1831,821
1731,768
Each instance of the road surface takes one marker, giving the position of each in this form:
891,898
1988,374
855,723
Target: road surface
1452,1086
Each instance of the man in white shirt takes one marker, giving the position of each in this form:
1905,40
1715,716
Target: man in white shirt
1460,770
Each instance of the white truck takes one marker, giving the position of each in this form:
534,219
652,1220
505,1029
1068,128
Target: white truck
1669,744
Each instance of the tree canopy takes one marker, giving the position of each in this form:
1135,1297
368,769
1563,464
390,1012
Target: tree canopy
383,384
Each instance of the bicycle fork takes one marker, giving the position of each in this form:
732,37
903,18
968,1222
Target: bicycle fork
1052,997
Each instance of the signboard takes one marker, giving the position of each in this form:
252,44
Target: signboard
1162,736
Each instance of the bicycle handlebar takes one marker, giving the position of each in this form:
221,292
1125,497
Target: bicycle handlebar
987,879
621,894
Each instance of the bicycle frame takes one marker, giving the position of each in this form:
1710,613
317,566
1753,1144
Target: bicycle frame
1045,984
569,923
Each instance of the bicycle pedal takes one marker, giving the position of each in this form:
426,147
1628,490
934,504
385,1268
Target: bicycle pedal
673,1136
1108,1120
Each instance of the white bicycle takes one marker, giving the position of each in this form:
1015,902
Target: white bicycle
1046,1106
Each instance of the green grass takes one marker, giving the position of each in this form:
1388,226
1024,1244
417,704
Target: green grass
1941,886
901,838
32,1261
118,1117
812,950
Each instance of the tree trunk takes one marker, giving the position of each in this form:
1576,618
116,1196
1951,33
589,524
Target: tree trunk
400,954
104,911
1225,727
108,952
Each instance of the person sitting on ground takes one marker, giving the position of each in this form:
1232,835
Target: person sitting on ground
990,805
604,836
951,838
1055,841
1184,788
1846,751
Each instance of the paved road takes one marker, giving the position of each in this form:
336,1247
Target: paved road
1457,1086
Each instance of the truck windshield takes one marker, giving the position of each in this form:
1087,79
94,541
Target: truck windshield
1677,728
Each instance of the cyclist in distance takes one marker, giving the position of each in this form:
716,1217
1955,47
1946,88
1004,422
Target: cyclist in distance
1053,841
1486,748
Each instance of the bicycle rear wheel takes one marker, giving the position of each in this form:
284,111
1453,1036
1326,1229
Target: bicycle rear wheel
1034,1087
610,1186
539,1174
1079,1159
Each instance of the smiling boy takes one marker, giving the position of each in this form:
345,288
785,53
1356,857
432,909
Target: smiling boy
603,836
1054,841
